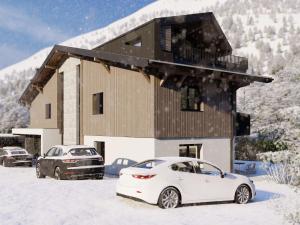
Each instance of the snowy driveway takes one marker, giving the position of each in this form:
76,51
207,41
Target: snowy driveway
25,200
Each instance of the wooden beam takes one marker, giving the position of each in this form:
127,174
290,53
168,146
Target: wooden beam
164,79
105,65
74,56
181,80
147,76
50,67
37,87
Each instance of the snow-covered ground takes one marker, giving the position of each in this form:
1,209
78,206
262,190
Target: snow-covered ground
26,200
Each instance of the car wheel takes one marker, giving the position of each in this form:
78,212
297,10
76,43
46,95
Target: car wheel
5,163
38,171
57,173
169,198
99,177
242,194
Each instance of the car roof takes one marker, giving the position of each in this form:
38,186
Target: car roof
9,148
67,148
181,159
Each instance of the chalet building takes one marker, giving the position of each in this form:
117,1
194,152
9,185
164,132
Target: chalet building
166,88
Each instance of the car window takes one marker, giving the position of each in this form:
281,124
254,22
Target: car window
58,152
125,162
207,169
83,152
51,152
187,167
119,161
149,164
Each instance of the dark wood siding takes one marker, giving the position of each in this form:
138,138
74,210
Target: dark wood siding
122,44
215,121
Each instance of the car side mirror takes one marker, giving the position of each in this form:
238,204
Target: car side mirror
44,155
223,174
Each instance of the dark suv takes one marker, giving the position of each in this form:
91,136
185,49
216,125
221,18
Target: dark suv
70,162
15,156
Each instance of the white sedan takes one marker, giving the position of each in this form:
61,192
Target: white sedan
171,181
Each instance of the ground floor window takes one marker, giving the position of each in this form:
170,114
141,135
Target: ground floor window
100,147
190,150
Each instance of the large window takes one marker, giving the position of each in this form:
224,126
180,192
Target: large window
190,150
98,103
191,99
48,111
166,38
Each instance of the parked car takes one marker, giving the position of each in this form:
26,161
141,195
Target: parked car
172,181
70,161
15,156
115,168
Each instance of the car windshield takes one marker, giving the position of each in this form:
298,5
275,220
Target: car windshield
83,152
17,152
149,164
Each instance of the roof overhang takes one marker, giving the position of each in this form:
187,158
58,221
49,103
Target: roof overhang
59,54
239,79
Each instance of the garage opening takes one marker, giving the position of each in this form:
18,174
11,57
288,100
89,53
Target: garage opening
100,147
190,150
33,144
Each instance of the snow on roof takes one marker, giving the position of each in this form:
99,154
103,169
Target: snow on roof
95,38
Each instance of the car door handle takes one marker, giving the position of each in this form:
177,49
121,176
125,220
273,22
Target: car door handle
206,181
179,178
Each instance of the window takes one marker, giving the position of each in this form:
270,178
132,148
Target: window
83,152
166,38
51,152
58,152
207,169
149,164
186,167
137,42
48,111
98,103
190,150
191,99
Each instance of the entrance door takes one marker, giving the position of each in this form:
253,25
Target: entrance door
100,148
190,150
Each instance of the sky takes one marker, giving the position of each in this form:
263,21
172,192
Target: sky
27,26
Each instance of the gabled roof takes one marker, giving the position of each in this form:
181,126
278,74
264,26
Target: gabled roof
59,54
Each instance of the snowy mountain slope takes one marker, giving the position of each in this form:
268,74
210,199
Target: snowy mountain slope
266,31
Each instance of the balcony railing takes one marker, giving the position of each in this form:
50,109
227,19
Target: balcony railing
195,56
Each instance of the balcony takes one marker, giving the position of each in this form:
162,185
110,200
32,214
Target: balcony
193,56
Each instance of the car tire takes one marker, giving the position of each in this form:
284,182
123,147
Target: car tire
5,163
169,198
242,194
38,171
99,177
57,173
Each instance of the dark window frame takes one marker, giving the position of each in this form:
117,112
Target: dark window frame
135,42
189,101
98,103
48,111
164,45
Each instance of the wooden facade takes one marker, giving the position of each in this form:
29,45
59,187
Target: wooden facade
48,95
215,120
128,102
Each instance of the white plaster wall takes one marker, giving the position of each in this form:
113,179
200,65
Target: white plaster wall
215,150
71,101
137,149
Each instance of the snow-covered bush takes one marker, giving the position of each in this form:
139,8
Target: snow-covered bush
289,207
282,167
